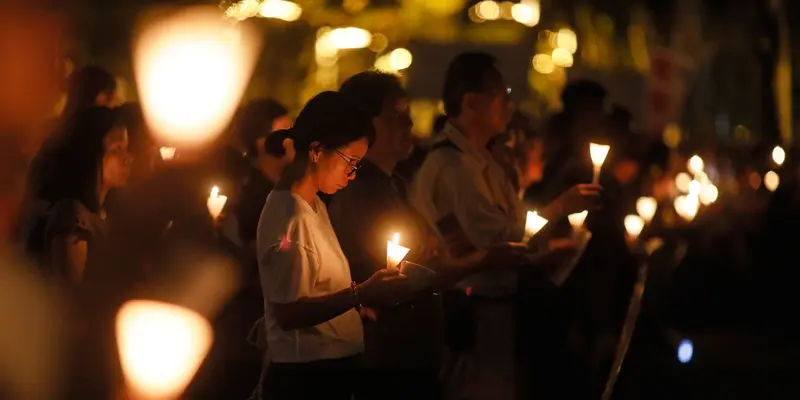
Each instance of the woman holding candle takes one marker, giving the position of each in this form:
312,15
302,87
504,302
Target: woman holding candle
314,330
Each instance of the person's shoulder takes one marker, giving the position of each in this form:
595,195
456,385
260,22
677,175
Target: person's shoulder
69,207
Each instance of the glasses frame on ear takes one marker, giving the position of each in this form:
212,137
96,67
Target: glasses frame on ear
354,165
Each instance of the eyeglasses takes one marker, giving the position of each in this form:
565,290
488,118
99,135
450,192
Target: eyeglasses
353,164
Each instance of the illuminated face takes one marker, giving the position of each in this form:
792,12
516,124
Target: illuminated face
116,161
336,168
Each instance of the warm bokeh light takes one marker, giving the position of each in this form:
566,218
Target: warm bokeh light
686,207
192,68
778,155
567,39
243,9
577,219
488,10
695,164
646,208
562,58
633,225
771,180
161,347
400,59
280,9
709,194
695,187
349,38
527,13
682,182
543,63
672,135
167,153
533,224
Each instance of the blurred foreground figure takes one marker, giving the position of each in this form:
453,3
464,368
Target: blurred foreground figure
28,87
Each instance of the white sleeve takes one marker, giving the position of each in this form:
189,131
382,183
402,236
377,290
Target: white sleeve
289,268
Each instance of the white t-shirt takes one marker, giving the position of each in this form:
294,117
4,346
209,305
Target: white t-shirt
299,256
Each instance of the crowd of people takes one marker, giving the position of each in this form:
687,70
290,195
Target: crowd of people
311,204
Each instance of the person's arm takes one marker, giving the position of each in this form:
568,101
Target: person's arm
310,311
68,254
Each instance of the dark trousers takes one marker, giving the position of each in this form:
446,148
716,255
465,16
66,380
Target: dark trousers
336,379
391,384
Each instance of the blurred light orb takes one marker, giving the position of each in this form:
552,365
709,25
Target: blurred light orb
350,38
543,63
685,351
280,9
695,187
488,9
709,194
400,59
444,8
672,135
473,15
682,182
778,155
686,207
505,9
527,14
190,76
633,225
562,58
695,164
567,39
161,346
646,208
771,180
379,42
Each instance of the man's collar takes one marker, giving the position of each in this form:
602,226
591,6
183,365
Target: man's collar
454,135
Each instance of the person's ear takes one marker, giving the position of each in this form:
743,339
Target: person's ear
469,102
315,152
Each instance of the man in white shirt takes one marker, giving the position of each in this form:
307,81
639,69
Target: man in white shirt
460,177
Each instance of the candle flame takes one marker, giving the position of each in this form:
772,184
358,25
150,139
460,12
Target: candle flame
396,238
598,153
214,192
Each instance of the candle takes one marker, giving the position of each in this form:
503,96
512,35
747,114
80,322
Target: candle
634,225
646,207
216,202
192,68
161,347
533,224
167,153
394,252
778,155
576,220
598,153
771,181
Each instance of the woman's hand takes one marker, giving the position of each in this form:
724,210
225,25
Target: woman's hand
504,256
386,287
